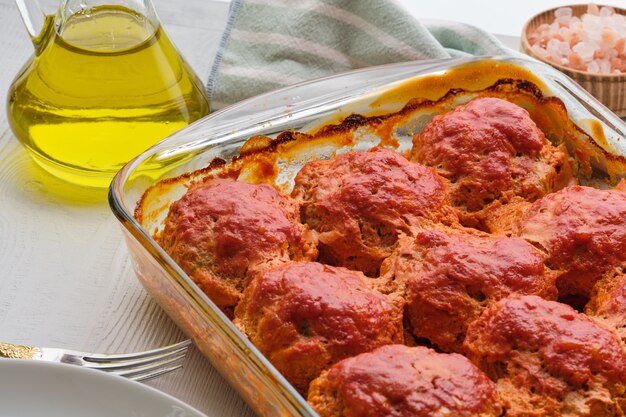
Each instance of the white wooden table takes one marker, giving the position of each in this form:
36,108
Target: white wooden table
66,278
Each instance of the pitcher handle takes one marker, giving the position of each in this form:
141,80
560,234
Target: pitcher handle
33,17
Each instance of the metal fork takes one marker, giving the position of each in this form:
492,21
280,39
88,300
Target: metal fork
138,366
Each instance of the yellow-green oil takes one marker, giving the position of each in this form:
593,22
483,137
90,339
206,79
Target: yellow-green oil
100,90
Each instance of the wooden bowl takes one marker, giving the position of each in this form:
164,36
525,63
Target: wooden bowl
609,89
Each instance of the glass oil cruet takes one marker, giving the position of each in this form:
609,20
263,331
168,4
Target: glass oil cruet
104,84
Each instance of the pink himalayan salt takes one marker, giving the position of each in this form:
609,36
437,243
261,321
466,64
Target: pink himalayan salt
594,42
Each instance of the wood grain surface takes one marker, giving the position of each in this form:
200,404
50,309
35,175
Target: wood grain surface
66,278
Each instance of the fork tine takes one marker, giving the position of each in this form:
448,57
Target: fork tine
149,371
155,373
114,363
118,357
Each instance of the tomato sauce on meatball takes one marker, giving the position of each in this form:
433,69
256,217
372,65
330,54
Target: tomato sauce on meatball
305,316
401,381
221,229
361,202
582,230
450,278
492,153
549,360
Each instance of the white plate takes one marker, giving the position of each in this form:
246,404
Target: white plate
42,389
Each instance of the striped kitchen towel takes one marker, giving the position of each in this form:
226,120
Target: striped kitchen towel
269,44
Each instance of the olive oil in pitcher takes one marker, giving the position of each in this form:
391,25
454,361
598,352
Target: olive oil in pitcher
104,85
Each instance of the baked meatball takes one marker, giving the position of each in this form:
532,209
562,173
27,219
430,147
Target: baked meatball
401,381
305,316
582,230
220,229
608,300
360,202
549,360
492,153
450,278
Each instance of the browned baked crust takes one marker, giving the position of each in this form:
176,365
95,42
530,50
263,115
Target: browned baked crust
491,152
449,277
582,231
221,229
306,316
360,202
401,381
549,360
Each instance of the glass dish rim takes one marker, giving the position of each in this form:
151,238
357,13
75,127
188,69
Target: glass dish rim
415,68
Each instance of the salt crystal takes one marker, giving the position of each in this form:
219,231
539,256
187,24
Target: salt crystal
543,27
606,11
618,24
608,36
592,25
553,28
565,33
616,62
610,53
594,42
575,61
584,50
574,21
553,48
563,12
563,22
563,48
605,66
574,39
593,67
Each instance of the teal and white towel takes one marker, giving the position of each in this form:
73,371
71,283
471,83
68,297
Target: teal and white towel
270,44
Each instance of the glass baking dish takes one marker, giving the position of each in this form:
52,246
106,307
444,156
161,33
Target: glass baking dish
303,107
